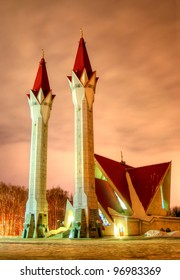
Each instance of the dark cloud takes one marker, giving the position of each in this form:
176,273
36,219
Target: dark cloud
9,136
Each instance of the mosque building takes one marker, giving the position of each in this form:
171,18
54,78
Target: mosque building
133,200
130,200
111,198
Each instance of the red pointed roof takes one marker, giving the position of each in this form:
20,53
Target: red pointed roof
106,196
146,181
116,171
82,60
42,80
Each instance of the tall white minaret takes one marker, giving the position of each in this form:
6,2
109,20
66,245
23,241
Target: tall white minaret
83,83
40,101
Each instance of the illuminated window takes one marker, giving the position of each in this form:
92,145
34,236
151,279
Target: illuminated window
121,202
162,198
99,174
103,218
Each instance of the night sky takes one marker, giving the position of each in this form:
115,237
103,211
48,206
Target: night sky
134,45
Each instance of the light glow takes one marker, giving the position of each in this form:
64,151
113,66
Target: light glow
118,229
99,174
115,229
162,198
121,202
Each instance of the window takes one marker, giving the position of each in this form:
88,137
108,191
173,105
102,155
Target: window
121,202
103,218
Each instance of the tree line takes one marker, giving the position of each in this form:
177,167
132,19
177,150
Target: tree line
13,206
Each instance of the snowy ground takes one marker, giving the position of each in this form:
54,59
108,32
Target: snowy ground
136,248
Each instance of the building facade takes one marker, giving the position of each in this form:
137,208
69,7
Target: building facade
133,200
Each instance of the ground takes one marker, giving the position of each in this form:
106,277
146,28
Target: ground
122,248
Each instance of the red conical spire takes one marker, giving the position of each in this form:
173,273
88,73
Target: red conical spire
82,60
42,80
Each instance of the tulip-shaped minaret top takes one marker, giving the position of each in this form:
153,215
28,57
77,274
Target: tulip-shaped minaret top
85,205
40,101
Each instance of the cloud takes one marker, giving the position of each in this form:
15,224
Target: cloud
133,45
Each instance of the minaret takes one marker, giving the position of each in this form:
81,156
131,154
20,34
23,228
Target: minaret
40,101
83,83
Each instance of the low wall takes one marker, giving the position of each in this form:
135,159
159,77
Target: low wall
128,226
158,223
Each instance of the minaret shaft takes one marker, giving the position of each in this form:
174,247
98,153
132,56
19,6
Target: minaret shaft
38,166
84,159
37,207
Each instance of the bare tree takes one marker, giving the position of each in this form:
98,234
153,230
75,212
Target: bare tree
56,198
13,204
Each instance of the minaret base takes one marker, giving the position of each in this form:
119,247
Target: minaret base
86,224
33,229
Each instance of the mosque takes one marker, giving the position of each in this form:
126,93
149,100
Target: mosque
111,198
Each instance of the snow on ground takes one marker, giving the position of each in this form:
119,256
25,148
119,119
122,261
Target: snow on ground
119,248
159,233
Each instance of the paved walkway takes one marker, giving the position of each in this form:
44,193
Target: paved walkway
134,248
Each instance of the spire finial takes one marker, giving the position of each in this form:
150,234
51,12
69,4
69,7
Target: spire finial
42,53
122,160
121,156
81,32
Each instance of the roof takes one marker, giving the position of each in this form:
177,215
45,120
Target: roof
146,181
116,171
41,80
82,60
106,196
